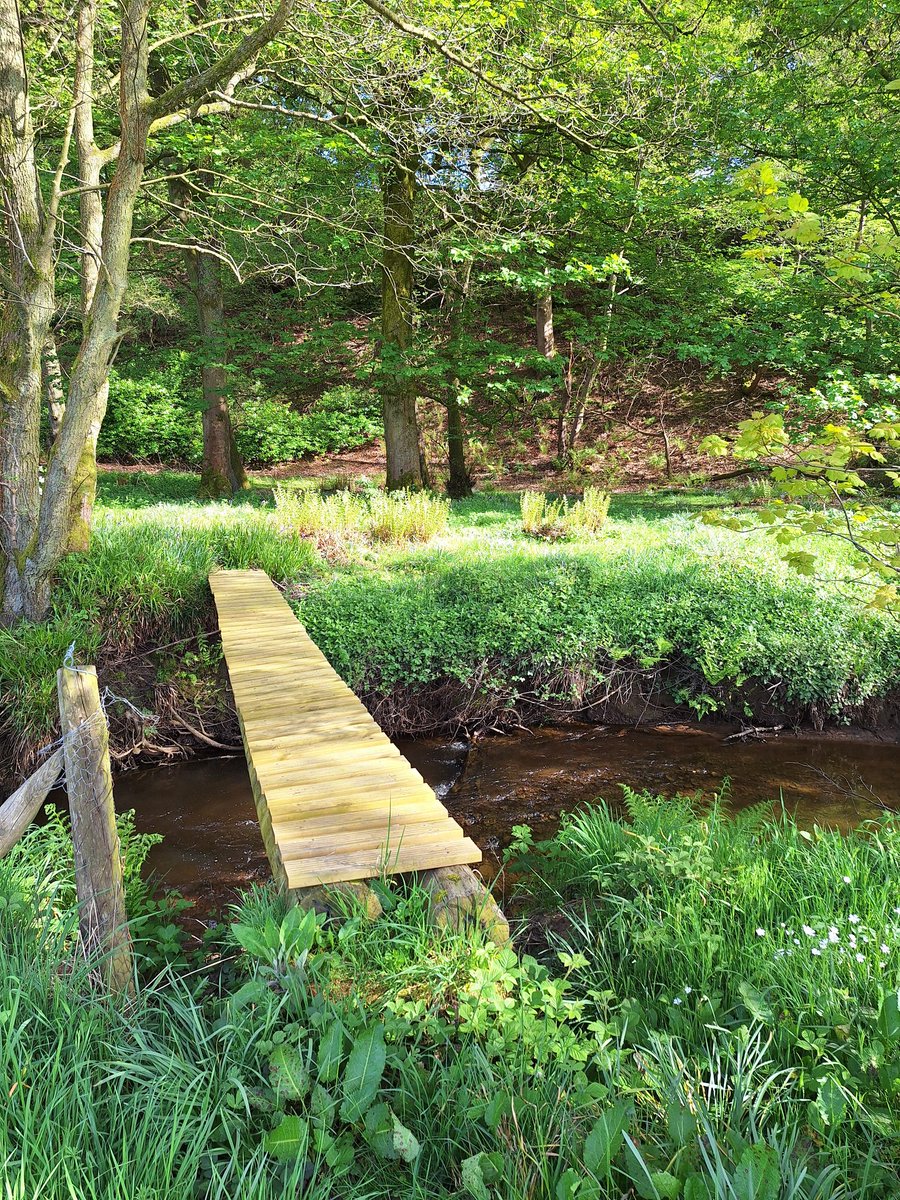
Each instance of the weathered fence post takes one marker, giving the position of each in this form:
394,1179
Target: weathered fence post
98,863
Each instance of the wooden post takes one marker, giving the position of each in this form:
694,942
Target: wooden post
17,813
98,863
458,895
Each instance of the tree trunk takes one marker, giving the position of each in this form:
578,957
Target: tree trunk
39,523
459,481
52,387
543,317
24,327
223,472
401,426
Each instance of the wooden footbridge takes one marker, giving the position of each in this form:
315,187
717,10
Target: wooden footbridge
337,801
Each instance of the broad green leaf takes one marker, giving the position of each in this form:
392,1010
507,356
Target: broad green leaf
831,1102
756,1003
362,1075
287,1140
331,1051
758,1176
605,1139
406,1146
288,1073
889,1016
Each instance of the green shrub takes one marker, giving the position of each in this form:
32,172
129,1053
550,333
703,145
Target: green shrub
543,517
310,514
588,515
156,415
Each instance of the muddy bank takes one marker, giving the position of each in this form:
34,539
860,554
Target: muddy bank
179,705
212,847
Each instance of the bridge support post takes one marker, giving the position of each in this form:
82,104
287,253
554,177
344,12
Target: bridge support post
458,895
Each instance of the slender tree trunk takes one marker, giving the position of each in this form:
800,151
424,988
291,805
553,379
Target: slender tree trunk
39,523
543,318
223,472
25,318
401,426
459,481
52,386
90,167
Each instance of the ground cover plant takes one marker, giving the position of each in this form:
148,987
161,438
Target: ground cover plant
704,1028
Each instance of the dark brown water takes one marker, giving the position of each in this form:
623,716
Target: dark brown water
212,846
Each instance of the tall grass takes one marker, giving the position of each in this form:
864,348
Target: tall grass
725,944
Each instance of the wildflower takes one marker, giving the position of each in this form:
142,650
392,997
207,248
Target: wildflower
677,1000
760,933
815,950
847,879
885,949
860,958
823,944
853,919
688,990
809,931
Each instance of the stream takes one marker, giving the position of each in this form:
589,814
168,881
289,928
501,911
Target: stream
212,846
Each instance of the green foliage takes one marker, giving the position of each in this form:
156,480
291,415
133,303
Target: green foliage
823,481
392,517
407,516
156,415
744,950
662,601
694,1045
557,519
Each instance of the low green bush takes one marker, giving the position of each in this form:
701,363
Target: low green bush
407,516
655,605
155,415
558,519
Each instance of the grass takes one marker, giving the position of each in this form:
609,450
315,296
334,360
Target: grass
664,1047
480,623
717,941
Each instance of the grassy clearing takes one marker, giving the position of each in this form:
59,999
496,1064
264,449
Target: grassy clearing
665,1049
492,623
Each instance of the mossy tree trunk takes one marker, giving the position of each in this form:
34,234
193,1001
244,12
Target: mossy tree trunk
223,473
398,392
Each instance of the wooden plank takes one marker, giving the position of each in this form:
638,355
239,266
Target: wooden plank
336,800
367,865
